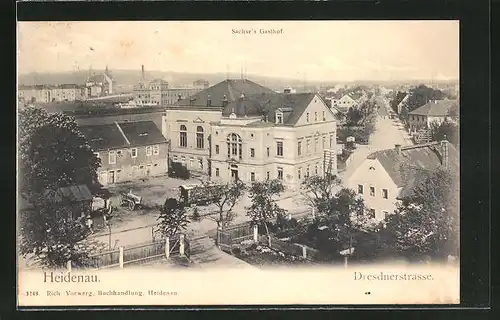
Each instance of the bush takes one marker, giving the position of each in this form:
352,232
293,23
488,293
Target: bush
196,214
236,250
178,170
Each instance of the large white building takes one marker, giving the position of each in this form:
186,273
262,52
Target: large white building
238,129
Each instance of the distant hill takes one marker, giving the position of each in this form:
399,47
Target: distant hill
125,79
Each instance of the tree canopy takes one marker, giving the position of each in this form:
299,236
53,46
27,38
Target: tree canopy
52,152
173,218
426,223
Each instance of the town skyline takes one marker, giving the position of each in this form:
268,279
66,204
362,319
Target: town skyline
383,50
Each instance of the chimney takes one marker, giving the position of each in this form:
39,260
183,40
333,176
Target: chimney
444,152
397,148
209,101
142,72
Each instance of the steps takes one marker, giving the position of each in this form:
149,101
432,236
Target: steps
423,136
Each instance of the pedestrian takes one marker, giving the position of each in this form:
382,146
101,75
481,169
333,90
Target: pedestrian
89,223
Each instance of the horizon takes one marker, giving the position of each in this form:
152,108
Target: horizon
380,51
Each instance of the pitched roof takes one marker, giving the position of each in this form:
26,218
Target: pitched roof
231,89
292,105
76,193
125,134
438,108
403,168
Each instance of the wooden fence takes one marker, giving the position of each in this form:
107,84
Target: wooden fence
227,237
294,249
141,253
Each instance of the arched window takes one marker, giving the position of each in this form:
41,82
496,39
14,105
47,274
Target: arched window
199,138
183,141
234,146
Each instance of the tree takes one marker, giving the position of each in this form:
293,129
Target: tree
53,153
173,218
421,95
264,206
398,97
223,196
447,129
319,190
52,237
426,222
454,112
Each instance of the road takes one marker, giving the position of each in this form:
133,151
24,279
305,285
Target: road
388,132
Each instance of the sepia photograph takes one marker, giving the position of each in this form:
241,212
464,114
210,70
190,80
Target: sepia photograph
198,163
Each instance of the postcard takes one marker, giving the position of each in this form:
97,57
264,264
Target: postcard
175,163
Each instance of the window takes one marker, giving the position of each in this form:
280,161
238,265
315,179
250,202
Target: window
112,157
252,152
323,142
280,173
316,145
316,169
216,172
308,146
371,168
299,173
299,148
174,158
385,194
252,176
183,136
267,175
371,213
372,191
216,149
96,154
156,150
307,172
234,145
307,117
360,189
191,160
279,117
183,159
134,152
315,116
119,153
149,151
279,148
200,163
267,151
199,138
331,141
324,117
384,213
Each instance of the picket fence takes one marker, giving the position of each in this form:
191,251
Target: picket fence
141,253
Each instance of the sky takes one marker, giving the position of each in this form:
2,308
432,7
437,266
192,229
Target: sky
316,50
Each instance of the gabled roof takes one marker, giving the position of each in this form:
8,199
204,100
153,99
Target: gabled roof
230,89
76,193
438,108
293,106
348,97
125,134
402,168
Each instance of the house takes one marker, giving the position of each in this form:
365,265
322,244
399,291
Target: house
386,176
346,102
128,150
403,103
282,136
51,93
78,197
98,85
187,123
432,111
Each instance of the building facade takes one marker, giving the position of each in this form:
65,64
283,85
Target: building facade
387,176
46,93
128,151
158,92
99,85
435,111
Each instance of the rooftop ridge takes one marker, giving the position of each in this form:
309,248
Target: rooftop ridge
123,133
416,146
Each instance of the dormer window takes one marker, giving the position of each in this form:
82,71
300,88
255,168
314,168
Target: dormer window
279,117
372,168
143,134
